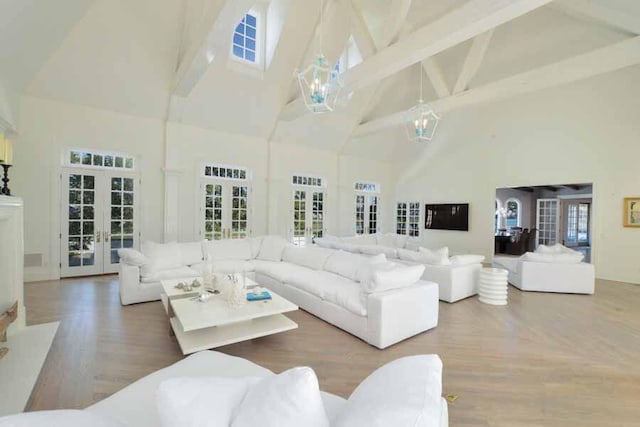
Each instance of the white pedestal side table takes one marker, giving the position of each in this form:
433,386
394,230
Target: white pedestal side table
493,286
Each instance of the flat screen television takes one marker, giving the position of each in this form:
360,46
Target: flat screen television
447,216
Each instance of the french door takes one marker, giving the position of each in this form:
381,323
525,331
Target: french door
226,210
576,219
308,215
367,221
98,218
547,222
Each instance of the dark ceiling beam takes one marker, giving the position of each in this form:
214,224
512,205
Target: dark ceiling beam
550,188
527,189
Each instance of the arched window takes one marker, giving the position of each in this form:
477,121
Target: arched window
496,214
513,213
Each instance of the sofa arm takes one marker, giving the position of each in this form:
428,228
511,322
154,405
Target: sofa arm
395,315
129,277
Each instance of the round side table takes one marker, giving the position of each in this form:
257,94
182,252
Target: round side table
493,286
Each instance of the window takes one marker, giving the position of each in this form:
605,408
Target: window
308,180
100,159
408,219
245,39
513,213
349,58
215,170
496,219
308,208
366,208
367,187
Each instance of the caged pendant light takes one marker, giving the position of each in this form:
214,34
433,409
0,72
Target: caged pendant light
421,121
319,84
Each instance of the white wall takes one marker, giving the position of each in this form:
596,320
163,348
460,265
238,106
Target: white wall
583,132
46,129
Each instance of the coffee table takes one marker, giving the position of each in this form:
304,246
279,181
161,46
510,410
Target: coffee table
205,325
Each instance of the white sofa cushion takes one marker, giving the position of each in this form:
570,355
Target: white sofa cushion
324,242
311,281
161,256
391,275
348,247
225,267
392,240
345,293
255,243
466,259
556,258
175,273
365,239
191,252
550,249
280,271
188,402
345,264
289,399
377,249
132,257
271,248
311,257
225,250
403,393
60,418
435,257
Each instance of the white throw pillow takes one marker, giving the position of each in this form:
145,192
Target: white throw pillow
390,275
132,257
466,259
290,399
403,393
311,257
161,256
345,264
271,248
376,250
365,269
201,401
324,242
60,418
435,257
191,252
224,250
554,258
255,243
550,249
349,247
392,240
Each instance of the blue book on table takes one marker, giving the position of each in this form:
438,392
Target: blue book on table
258,297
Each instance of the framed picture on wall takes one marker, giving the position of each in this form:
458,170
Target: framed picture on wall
632,212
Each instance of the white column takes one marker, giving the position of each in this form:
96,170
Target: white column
171,204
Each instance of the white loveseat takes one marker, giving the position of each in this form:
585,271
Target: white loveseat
549,269
137,404
331,284
456,276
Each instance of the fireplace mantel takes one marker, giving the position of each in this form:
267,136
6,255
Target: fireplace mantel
12,256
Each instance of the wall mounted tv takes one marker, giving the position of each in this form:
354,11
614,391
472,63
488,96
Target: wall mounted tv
449,216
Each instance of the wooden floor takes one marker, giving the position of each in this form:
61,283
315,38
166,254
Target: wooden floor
543,360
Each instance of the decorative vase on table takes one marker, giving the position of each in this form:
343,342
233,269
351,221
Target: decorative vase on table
237,291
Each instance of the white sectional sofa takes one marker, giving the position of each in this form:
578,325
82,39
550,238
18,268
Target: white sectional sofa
344,289
456,276
415,384
549,269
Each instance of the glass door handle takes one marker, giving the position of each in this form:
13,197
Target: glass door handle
106,236
98,236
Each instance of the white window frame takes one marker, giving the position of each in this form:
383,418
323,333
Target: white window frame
367,189
259,12
407,221
67,161
226,167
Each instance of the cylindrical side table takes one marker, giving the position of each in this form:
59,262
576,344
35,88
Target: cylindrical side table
493,286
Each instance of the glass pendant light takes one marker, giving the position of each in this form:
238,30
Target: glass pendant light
421,121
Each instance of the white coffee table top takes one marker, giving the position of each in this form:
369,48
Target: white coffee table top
195,315
169,286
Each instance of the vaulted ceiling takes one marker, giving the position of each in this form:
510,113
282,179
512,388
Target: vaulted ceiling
169,59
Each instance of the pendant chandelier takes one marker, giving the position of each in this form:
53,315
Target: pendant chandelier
421,121
319,82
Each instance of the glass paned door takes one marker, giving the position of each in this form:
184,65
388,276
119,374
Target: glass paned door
225,211
121,228
98,218
81,245
547,221
367,220
308,216
576,223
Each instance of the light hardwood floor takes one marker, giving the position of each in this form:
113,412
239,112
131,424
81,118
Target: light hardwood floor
543,360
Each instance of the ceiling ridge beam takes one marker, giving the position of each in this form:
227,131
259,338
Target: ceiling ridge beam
473,18
473,61
436,77
598,12
610,58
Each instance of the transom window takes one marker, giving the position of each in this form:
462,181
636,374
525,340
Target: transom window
213,170
100,159
308,180
245,38
367,187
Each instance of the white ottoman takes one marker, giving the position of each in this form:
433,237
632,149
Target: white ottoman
493,286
